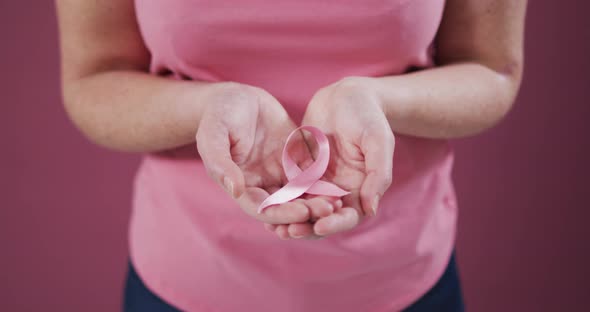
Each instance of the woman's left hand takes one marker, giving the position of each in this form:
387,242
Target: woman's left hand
361,154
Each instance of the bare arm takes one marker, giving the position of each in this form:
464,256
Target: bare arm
480,53
106,88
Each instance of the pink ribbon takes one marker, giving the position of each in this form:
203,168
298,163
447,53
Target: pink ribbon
308,181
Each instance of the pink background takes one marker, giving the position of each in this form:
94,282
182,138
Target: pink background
523,233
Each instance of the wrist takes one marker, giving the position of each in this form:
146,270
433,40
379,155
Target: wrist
360,89
392,98
190,105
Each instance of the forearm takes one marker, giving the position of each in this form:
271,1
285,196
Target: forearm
134,111
479,47
450,101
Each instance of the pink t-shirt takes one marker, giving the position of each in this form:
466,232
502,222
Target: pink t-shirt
194,247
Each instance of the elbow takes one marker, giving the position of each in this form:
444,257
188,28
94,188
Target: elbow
503,87
492,115
489,115
507,84
84,117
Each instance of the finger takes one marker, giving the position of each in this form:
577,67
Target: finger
300,230
270,227
319,206
214,148
286,213
290,212
282,231
341,220
338,204
377,147
353,200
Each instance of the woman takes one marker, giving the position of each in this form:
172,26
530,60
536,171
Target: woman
239,76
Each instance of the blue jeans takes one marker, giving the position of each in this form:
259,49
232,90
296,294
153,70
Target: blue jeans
445,296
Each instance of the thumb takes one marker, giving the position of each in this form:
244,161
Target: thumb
377,148
214,148
229,175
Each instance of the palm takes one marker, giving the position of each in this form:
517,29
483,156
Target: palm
262,166
361,144
346,168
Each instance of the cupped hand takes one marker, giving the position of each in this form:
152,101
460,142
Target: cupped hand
361,153
240,139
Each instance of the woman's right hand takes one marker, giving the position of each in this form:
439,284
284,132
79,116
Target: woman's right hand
240,139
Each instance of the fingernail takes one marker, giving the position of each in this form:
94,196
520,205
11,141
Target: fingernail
229,186
375,204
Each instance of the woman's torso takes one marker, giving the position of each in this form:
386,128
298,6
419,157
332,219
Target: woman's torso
192,244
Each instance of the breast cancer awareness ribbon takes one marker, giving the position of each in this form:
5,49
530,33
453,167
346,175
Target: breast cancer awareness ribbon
308,180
